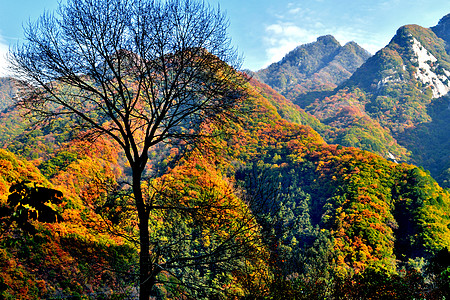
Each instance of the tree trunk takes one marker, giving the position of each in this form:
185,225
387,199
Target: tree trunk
145,282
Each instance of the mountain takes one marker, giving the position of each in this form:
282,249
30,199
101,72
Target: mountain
318,66
442,30
324,220
406,86
415,56
327,216
395,104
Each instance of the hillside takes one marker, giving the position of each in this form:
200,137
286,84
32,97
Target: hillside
41,259
325,214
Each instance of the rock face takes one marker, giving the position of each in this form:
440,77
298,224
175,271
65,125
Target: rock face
428,68
318,66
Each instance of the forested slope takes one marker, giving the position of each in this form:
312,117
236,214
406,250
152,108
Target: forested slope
318,218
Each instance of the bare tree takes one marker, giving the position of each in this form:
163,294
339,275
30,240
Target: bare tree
139,71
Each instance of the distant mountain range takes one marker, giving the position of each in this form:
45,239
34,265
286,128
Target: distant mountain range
395,103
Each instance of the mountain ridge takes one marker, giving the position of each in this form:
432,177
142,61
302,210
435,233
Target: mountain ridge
317,66
345,208
390,95
442,30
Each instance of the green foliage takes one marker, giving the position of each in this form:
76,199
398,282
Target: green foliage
57,163
376,284
439,273
39,142
422,207
340,206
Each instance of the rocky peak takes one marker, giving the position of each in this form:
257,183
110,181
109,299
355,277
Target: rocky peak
317,66
328,39
415,56
429,71
310,57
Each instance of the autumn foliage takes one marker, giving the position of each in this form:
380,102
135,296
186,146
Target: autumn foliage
311,220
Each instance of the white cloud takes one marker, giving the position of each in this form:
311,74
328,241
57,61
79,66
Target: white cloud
294,10
4,48
283,37
370,42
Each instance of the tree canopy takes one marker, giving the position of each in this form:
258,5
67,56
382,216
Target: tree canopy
141,72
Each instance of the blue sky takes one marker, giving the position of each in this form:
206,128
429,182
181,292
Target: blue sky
265,30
